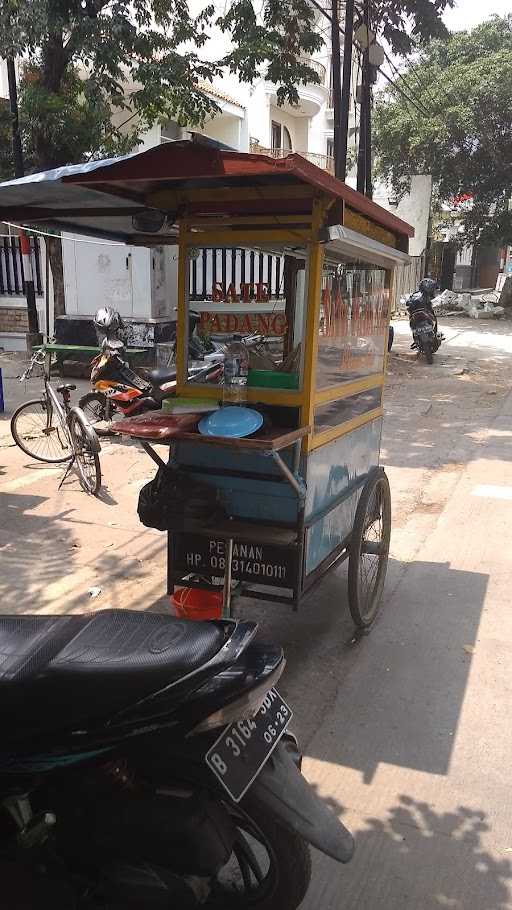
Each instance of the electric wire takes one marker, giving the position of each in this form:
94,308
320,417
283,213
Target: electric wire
421,110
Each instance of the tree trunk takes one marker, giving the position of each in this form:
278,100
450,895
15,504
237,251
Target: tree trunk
55,254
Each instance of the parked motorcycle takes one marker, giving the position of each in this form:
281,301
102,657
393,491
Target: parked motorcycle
119,390
146,761
423,321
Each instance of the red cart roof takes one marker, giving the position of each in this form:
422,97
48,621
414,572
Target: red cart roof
101,197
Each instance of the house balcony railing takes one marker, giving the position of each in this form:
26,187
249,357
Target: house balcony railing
318,68
323,161
312,95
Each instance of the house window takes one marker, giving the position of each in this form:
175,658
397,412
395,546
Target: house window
276,135
281,138
330,148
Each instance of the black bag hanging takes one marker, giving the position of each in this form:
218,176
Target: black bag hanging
174,497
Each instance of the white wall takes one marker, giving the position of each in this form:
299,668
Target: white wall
297,127
100,274
4,85
414,208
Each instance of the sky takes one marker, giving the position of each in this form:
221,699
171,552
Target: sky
468,13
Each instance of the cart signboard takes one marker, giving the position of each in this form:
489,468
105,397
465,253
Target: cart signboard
262,564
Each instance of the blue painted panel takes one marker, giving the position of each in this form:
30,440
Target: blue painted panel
331,530
211,457
258,499
339,465
261,500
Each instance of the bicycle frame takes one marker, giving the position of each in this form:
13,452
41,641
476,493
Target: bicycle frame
52,396
78,435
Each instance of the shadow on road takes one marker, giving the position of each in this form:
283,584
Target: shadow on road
415,857
434,418
47,561
403,705
397,695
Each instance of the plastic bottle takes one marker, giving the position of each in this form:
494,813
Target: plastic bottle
236,369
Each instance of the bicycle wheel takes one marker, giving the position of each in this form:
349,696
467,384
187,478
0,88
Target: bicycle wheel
37,431
369,549
87,461
100,412
95,406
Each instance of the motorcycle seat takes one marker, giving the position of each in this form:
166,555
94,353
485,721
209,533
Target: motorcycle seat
66,387
57,671
161,374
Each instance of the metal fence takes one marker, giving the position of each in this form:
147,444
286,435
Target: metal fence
11,266
326,162
235,267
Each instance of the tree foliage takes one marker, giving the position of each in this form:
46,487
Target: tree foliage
143,61
405,23
464,136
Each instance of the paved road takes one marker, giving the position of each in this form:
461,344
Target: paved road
406,734
414,753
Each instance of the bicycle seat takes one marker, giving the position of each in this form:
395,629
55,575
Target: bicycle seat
161,374
66,387
59,671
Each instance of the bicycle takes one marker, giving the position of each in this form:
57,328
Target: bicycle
56,433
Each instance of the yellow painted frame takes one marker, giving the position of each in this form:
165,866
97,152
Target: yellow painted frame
264,237
345,389
173,198
321,439
231,232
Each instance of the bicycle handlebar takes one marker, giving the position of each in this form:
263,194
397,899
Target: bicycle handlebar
38,357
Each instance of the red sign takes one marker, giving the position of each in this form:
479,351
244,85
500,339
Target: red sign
247,292
272,324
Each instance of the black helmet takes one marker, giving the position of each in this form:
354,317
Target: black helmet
428,286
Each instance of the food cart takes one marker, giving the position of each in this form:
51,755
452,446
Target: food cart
311,266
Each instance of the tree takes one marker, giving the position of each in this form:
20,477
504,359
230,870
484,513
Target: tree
98,73
463,138
404,24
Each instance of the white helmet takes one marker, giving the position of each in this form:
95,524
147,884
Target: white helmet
107,320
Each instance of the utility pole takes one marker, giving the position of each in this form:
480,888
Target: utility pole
346,90
336,88
364,179
19,171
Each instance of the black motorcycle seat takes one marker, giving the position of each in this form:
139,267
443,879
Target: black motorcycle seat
57,671
156,377
66,387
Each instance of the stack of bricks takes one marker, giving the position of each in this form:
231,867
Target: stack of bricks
13,319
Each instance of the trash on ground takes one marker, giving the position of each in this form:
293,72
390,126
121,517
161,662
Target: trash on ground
482,306
94,592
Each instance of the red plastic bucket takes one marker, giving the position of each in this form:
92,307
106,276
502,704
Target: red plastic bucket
197,604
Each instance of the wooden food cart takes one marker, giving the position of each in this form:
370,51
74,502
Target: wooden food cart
282,248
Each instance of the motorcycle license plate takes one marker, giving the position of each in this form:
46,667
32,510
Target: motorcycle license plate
242,749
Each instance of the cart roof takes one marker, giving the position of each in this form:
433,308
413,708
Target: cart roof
101,197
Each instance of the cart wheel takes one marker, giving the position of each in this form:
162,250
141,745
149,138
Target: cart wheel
369,549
